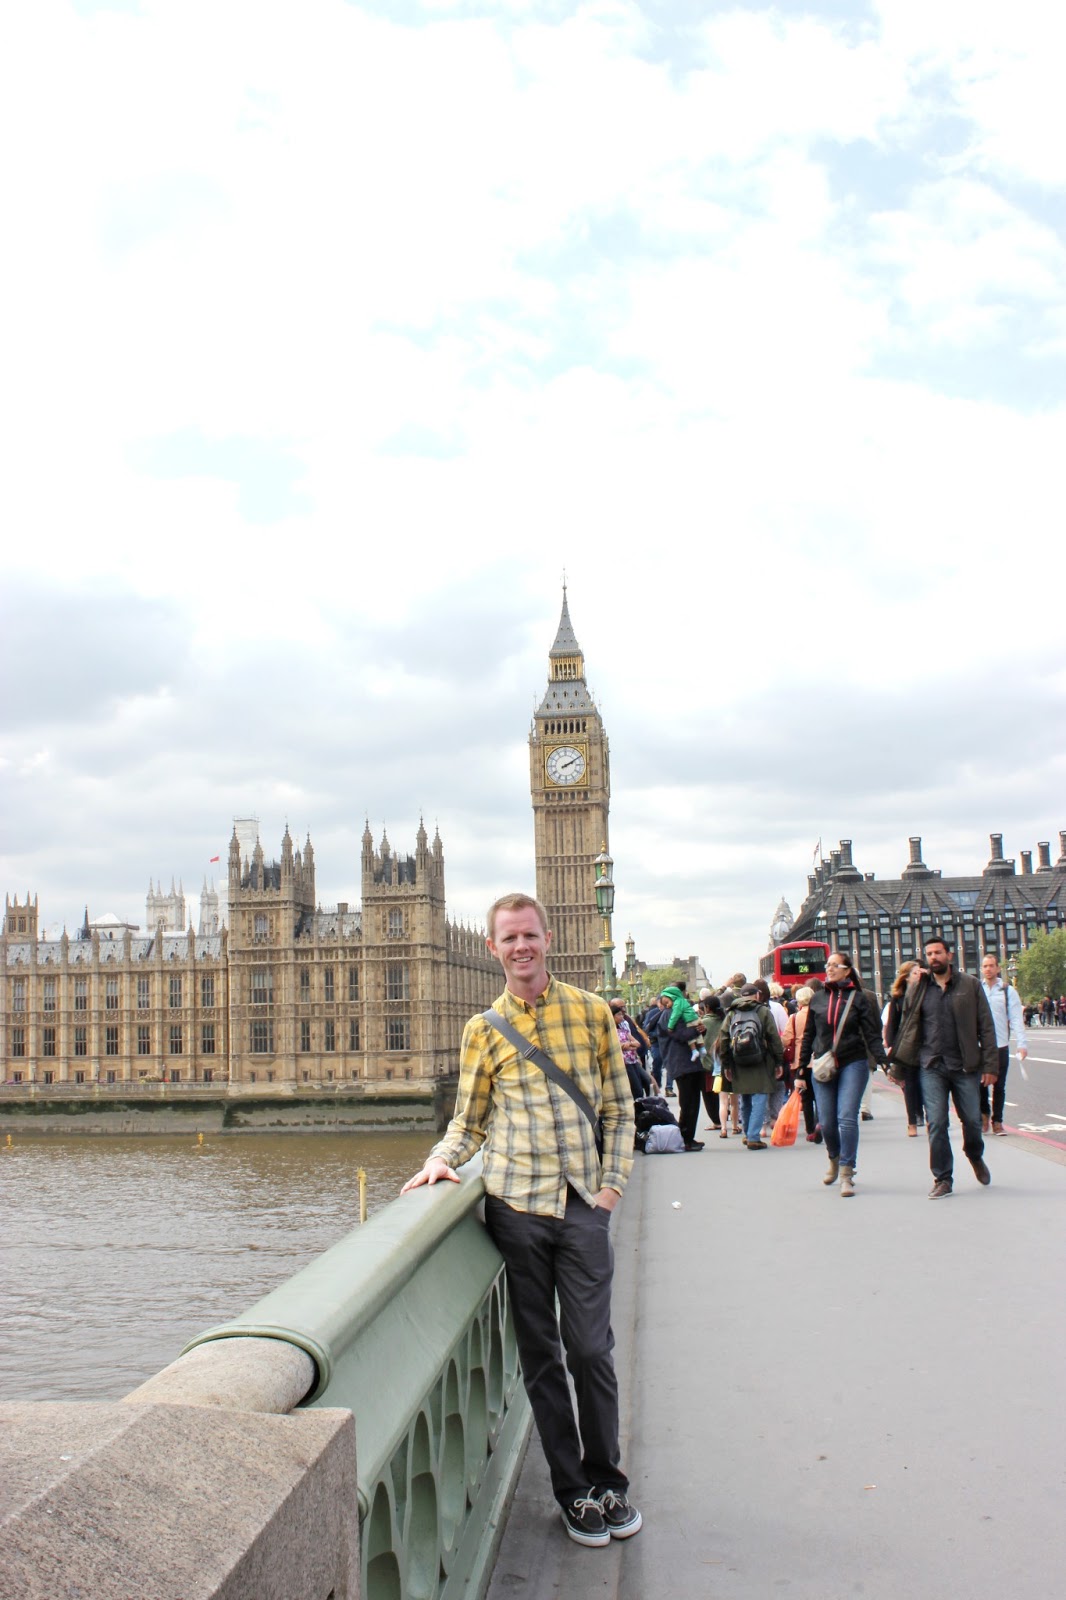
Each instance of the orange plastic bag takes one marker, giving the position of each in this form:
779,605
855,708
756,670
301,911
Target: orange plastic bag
787,1125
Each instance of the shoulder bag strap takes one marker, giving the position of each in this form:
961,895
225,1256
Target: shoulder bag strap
843,1019
539,1058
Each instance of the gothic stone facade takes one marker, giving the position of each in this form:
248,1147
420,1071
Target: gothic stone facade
289,994
570,784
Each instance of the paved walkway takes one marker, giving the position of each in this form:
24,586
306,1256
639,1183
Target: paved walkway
829,1398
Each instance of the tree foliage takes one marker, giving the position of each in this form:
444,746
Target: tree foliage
655,979
1042,968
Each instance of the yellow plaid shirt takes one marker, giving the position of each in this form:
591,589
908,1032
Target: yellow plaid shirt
535,1139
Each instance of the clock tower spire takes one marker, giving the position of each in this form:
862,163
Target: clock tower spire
570,783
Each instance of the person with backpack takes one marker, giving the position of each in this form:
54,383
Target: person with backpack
753,1058
843,1019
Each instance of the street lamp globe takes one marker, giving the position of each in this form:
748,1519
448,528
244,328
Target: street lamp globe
604,884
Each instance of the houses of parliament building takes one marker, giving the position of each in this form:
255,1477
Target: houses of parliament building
273,988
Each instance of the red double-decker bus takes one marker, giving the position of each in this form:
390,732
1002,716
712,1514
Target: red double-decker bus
793,965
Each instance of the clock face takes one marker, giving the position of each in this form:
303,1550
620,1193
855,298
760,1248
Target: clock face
565,764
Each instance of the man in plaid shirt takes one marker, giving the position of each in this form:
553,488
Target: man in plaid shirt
549,1198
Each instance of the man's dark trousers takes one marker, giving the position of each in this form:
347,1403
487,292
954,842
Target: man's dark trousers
999,1088
571,1256
940,1081
688,1103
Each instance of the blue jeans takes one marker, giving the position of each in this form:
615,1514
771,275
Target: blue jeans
753,1115
838,1110
964,1088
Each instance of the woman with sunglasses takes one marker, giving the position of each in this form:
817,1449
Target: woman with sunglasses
842,1018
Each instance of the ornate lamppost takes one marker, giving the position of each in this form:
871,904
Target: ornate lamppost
605,906
630,973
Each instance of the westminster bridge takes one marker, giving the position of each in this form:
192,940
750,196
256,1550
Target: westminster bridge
818,1399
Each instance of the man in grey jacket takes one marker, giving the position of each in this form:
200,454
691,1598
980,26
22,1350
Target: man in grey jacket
947,1028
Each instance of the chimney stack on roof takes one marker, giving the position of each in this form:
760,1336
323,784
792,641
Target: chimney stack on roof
916,867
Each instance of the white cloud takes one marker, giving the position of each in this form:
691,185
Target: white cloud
754,324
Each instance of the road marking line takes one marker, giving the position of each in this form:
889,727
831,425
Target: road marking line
1024,1132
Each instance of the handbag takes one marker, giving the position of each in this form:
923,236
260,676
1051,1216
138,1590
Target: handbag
787,1125
541,1059
824,1067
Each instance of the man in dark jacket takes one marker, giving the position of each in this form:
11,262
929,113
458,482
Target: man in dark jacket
947,1028
686,1068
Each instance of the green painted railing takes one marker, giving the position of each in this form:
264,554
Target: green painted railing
407,1323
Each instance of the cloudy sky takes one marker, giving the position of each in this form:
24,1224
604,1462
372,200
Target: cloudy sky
334,333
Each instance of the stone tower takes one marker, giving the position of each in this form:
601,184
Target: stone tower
570,783
20,922
168,909
210,922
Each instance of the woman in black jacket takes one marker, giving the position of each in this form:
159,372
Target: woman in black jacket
842,1008
910,1074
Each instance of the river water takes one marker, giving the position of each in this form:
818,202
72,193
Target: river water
117,1251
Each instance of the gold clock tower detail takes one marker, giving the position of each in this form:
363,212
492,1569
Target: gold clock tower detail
570,781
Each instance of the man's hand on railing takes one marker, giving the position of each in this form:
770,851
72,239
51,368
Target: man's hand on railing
435,1169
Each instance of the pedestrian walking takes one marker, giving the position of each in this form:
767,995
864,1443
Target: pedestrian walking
947,1028
909,1077
843,1022
1005,1005
791,1039
753,1059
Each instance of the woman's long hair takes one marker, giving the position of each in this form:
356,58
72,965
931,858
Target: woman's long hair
899,982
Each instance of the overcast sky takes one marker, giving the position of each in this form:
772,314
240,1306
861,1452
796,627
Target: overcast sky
334,332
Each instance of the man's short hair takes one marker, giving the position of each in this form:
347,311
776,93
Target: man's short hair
737,981
516,902
936,938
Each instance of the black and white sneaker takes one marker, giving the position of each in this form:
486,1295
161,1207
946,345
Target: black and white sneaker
621,1519
583,1521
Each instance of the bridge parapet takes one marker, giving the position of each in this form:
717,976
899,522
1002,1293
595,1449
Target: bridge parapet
405,1323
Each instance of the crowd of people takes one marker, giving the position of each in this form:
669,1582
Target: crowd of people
942,1035
550,1086
1050,1013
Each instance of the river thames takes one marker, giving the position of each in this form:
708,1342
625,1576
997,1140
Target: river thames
117,1251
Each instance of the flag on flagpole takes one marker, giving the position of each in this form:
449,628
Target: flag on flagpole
212,860
818,852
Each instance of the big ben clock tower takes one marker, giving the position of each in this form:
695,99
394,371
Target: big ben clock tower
570,781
